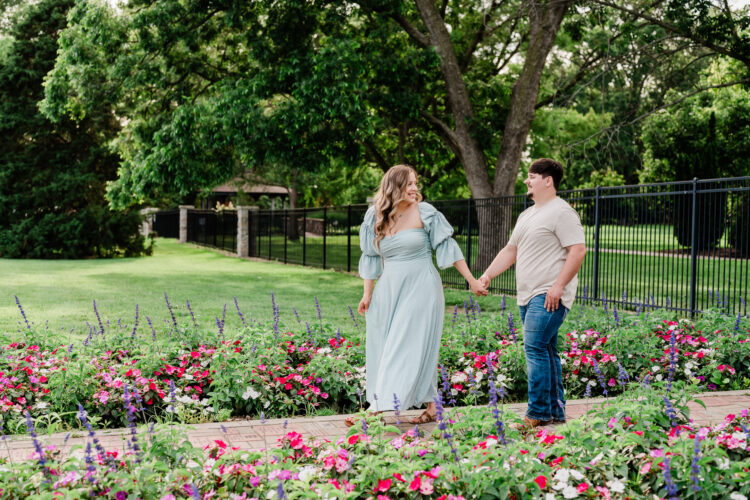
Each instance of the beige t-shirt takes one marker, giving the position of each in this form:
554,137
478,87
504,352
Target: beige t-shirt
542,235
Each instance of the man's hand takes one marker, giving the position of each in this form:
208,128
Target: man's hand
552,300
478,288
364,304
484,280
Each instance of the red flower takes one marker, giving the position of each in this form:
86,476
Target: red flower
541,481
583,487
398,476
195,354
353,438
152,386
557,461
415,484
221,444
384,484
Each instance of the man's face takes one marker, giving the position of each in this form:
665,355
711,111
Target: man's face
535,184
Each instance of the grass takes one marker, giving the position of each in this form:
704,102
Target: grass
61,292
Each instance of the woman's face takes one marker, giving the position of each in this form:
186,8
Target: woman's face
411,190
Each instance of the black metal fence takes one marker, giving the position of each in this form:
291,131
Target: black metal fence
683,246
212,228
166,223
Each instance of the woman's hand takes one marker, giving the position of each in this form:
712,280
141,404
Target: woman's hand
478,288
364,304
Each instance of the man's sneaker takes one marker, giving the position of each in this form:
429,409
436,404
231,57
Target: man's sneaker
530,423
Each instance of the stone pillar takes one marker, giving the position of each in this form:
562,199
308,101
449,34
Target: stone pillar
184,222
242,229
147,224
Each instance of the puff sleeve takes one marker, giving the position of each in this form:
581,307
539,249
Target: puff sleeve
370,263
440,231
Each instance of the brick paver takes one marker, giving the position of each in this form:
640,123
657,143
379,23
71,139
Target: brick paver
254,435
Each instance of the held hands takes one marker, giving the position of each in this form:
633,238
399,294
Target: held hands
364,304
478,288
552,300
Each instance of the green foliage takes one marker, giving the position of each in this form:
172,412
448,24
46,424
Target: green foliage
53,175
706,136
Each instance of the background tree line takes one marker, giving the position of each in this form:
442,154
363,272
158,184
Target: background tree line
323,95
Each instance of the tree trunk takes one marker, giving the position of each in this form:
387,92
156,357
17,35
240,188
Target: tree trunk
495,217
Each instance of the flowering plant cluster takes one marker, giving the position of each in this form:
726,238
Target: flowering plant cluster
627,449
191,376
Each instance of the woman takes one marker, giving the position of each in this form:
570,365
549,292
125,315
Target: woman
405,310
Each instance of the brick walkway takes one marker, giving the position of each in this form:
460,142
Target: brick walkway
254,435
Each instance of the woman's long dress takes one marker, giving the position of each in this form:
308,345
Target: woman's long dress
405,317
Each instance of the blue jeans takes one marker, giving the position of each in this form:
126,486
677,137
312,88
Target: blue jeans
546,395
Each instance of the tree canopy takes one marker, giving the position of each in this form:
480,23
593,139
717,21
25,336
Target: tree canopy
52,176
294,90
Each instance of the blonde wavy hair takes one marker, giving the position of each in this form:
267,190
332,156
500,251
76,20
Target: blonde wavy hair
389,195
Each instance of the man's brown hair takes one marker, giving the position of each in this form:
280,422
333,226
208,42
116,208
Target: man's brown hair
547,167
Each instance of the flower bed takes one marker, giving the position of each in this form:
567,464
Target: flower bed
640,447
189,376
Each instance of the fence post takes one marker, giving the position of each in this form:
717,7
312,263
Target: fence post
597,224
286,223
304,236
243,239
693,253
325,223
468,235
184,222
348,238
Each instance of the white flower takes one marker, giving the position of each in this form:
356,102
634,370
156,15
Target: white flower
737,496
739,436
597,459
655,368
576,475
562,475
479,376
549,496
459,377
616,486
307,472
266,404
723,463
659,377
41,405
324,350
557,485
250,393
570,492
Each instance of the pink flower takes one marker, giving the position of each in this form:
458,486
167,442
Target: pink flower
645,468
657,453
611,382
426,487
583,487
604,491
612,422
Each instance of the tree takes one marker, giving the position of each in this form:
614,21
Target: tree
705,136
289,87
52,176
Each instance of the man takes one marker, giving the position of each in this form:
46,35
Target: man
548,247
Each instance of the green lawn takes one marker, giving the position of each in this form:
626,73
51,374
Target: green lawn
61,291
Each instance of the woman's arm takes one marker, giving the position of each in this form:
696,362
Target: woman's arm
364,304
475,285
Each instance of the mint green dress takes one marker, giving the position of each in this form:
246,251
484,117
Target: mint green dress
405,317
